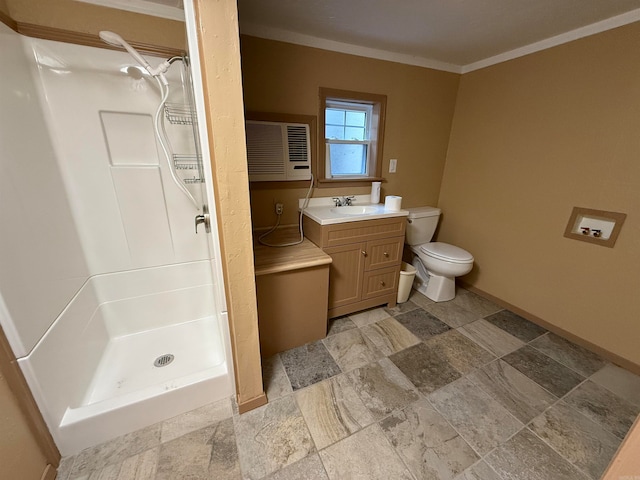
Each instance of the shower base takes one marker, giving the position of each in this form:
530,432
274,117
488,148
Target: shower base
129,392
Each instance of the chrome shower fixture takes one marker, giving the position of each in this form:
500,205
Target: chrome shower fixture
117,41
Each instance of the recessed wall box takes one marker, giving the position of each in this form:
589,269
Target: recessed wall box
595,226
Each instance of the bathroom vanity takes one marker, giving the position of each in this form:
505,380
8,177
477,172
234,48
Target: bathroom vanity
366,258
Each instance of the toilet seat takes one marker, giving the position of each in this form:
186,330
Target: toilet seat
446,252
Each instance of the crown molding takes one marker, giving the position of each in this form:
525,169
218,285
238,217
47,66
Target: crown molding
582,32
348,48
324,44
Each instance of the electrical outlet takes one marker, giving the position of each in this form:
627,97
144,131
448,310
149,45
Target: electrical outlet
279,208
393,163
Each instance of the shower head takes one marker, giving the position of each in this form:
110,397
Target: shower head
117,41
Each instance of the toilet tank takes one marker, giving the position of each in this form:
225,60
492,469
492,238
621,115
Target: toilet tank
421,224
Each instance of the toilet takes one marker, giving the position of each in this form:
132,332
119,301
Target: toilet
437,263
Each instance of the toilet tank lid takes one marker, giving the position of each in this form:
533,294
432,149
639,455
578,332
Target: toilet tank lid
420,212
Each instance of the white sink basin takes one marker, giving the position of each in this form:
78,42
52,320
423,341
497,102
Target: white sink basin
357,210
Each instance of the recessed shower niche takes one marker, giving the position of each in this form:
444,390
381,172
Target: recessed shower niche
595,226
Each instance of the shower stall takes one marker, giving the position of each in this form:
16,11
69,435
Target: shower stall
112,301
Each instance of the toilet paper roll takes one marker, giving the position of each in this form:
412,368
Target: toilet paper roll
375,192
392,203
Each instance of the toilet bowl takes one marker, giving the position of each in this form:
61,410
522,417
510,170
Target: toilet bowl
442,263
437,263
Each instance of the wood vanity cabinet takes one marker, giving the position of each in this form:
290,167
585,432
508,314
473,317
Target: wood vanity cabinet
366,257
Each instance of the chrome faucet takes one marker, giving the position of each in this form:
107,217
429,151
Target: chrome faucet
343,201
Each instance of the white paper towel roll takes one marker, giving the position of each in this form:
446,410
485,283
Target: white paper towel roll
392,203
375,192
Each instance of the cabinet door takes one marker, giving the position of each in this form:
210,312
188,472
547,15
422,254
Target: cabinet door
380,282
345,277
383,253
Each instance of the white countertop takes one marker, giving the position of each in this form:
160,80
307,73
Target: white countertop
323,211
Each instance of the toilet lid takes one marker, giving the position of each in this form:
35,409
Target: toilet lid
446,252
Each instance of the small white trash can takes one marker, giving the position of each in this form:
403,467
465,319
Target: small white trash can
407,274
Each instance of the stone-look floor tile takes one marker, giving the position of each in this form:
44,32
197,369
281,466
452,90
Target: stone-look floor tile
309,468
207,453
543,370
340,324
115,451
475,303
494,339
480,419
422,324
428,445
516,392
480,471
369,316
461,352
332,410
66,464
581,441
568,353
527,457
274,376
110,472
272,437
619,381
351,349
516,325
401,308
364,455
427,369
452,314
196,419
309,364
603,407
382,388
390,336
141,466
419,299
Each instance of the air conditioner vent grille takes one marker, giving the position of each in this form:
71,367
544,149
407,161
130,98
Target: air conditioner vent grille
265,151
297,140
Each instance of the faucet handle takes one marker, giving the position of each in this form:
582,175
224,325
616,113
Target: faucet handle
349,200
337,202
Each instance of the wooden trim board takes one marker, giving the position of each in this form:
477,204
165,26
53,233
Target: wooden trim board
18,385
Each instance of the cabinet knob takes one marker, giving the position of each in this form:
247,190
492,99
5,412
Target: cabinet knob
386,254
382,284
364,254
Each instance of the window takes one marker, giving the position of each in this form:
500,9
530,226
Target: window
353,126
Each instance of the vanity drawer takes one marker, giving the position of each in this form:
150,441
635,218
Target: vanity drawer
380,282
383,253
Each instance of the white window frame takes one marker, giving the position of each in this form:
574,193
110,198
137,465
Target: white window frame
378,105
346,105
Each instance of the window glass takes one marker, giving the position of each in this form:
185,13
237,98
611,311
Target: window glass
347,159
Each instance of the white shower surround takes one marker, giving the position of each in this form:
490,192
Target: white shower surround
145,284
90,390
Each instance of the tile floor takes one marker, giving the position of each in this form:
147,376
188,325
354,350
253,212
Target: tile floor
456,390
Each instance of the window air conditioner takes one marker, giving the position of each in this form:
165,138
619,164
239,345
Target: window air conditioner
278,151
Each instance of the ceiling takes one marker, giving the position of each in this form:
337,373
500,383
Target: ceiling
452,35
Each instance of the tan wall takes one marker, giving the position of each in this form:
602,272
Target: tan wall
86,18
532,138
284,78
20,455
220,57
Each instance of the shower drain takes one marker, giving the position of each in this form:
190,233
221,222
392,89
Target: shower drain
163,360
